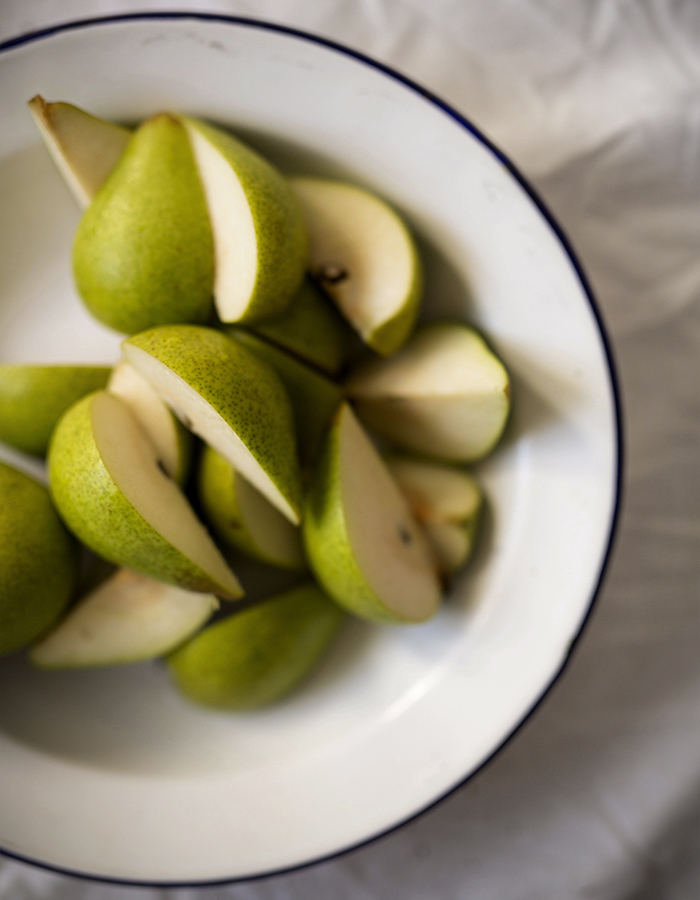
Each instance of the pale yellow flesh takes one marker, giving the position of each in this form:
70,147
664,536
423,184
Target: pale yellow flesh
351,230
199,417
233,229
437,492
152,413
388,545
132,463
270,531
451,544
129,617
85,149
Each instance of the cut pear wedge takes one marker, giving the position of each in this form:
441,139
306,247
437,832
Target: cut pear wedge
171,439
445,395
234,401
363,256
107,484
260,243
85,149
126,619
241,518
363,543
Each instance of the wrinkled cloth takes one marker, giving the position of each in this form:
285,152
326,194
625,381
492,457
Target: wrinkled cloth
598,796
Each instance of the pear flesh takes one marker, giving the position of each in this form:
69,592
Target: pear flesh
445,395
363,256
110,490
259,655
170,438
363,543
85,149
260,243
242,518
234,401
33,399
128,618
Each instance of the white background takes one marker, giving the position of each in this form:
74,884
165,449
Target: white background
598,103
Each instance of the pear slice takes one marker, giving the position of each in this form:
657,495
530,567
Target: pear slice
362,541
143,253
445,395
260,242
110,490
363,256
234,401
447,501
171,439
128,618
242,518
33,399
85,149
313,397
259,655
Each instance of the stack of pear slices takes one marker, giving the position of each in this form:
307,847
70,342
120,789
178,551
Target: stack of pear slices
276,400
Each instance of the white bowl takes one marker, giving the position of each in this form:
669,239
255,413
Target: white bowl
109,773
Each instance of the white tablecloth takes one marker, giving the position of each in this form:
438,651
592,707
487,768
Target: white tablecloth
598,103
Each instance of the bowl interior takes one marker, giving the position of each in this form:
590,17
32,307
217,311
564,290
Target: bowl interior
148,788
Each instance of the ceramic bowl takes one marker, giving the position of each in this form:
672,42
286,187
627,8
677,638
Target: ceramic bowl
110,774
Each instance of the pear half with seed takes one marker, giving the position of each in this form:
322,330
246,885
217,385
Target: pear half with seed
85,148
362,541
110,490
364,257
445,395
126,619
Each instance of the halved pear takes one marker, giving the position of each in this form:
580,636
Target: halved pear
169,436
241,518
313,397
85,148
364,257
143,253
33,399
110,490
447,501
234,401
445,395
128,618
363,543
259,655
260,242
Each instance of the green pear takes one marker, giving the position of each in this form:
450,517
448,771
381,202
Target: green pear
85,149
255,657
128,618
143,252
313,397
312,329
447,501
445,395
110,490
260,243
234,401
242,519
364,257
362,541
33,399
38,561
169,436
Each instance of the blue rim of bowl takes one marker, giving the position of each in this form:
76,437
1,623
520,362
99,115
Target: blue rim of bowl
612,372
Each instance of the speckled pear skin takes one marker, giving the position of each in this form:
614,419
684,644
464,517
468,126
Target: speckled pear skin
98,513
245,391
256,657
283,251
143,253
33,399
314,398
38,561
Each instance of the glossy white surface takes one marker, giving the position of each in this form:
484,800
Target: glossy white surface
147,788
